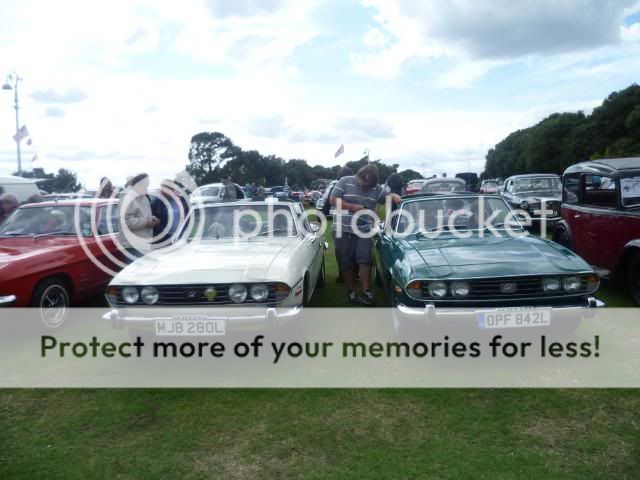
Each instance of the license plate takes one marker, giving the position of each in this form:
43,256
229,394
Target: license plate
514,318
190,328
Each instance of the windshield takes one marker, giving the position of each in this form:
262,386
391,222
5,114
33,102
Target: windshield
630,190
464,213
236,221
206,192
47,220
535,184
443,186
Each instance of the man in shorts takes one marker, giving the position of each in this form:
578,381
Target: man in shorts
352,194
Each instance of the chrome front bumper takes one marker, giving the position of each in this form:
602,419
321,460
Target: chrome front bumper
430,315
271,317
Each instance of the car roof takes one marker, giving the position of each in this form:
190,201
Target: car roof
532,175
82,202
610,166
445,179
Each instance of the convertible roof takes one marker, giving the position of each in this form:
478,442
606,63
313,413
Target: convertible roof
610,166
532,175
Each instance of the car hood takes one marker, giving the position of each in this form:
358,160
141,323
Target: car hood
217,261
19,248
491,256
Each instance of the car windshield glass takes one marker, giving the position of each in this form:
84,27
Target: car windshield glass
630,190
237,221
48,220
464,213
206,192
535,184
443,186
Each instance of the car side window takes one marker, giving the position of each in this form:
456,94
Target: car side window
109,222
509,188
599,191
571,189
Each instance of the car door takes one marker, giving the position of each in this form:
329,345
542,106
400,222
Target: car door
312,245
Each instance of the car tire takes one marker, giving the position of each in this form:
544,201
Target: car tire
633,278
561,236
321,276
52,293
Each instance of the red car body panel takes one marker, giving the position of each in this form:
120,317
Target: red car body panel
26,261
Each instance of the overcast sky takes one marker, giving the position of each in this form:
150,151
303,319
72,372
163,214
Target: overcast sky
115,88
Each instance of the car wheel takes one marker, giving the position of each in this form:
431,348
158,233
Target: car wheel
321,276
633,278
52,297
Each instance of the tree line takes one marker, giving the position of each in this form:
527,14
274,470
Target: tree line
213,155
563,139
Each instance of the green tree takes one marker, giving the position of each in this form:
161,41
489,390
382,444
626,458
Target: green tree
208,151
65,181
408,175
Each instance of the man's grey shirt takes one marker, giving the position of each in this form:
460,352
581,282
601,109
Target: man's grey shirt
349,190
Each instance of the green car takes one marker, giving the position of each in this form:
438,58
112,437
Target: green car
468,254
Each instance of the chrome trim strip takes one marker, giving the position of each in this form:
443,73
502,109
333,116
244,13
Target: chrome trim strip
7,300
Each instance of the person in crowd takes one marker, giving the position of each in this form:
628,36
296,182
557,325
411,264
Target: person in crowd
395,183
352,194
248,191
254,188
35,198
261,192
106,188
326,208
8,203
170,212
136,218
229,192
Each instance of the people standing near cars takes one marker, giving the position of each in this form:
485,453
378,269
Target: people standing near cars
136,218
352,194
229,192
106,188
170,211
8,203
395,183
326,205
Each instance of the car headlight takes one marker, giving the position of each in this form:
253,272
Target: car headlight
282,291
551,285
438,289
150,295
130,294
112,295
593,281
524,204
460,289
571,284
259,293
237,293
414,289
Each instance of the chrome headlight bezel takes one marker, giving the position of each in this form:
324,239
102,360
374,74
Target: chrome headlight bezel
150,295
259,292
460,289
547,282
438,289
237,293
132,293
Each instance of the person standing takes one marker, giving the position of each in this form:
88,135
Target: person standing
229,187
136,218
395,183
106,188
170,212
8,203
352,194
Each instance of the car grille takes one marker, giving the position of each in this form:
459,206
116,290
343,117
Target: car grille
490,288
187,295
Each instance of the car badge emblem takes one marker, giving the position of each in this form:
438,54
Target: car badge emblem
192,294
508,287
211,293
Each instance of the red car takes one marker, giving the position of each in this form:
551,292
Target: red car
489,187
601,217
43,262
414,186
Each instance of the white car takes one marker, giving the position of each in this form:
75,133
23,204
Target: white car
241,259
213,192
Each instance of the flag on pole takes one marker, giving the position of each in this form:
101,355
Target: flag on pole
21,133
34,159
29,141
339,152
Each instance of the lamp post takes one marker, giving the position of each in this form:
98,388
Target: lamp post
7,86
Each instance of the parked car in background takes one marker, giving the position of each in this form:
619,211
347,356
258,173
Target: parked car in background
534,193
213,192
22,188
601,217
414,186
489,187
273,265
470,179
324,199
479,274
42,261
443,185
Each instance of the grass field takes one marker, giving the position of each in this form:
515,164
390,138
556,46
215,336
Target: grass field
586,434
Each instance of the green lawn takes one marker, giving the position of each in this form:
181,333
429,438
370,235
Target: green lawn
586,434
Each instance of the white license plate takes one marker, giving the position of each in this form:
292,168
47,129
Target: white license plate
514,318
190,328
